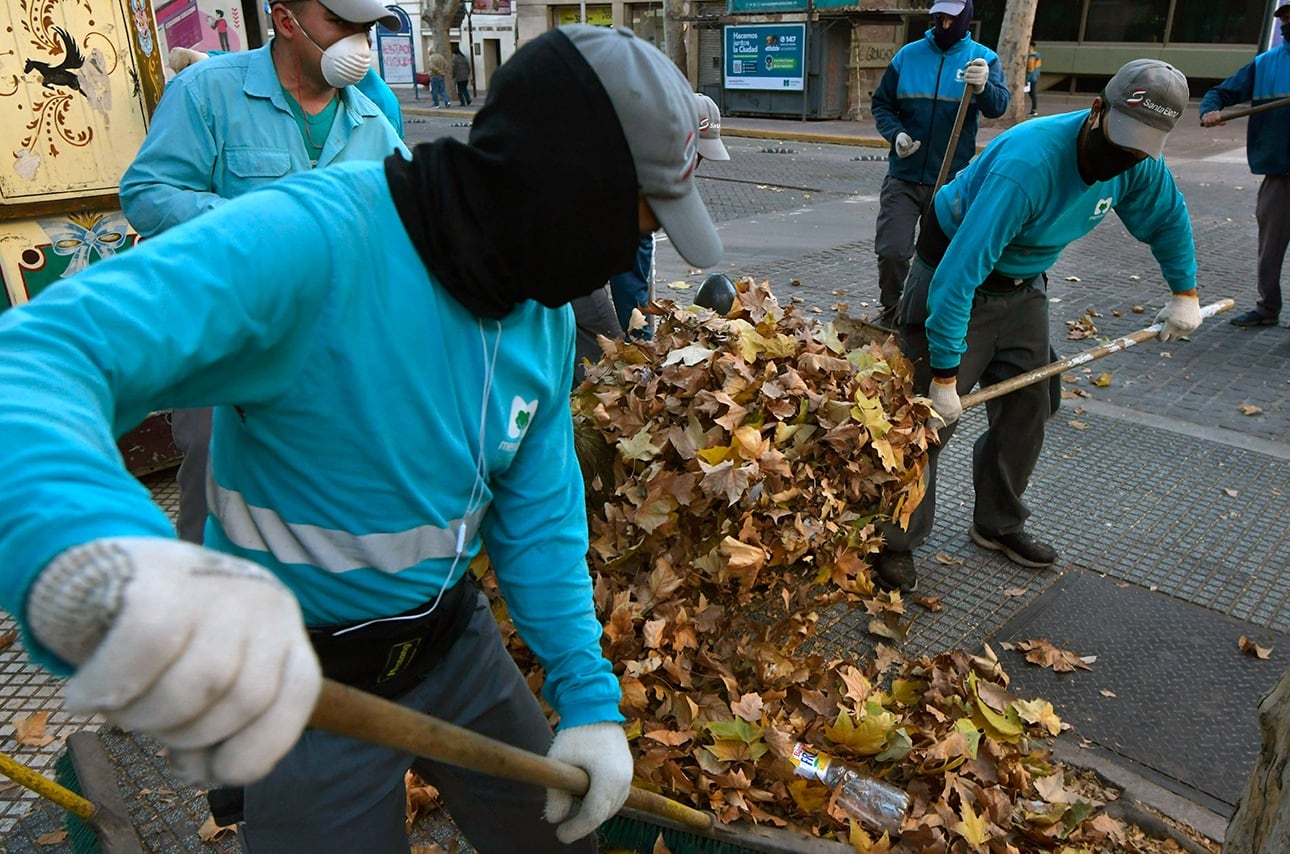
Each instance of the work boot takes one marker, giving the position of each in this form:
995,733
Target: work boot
1020,548
895,571
1254,317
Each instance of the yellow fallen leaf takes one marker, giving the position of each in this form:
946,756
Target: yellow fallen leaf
1102,380
1039,712
973,828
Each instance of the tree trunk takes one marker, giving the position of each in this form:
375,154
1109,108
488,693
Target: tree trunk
674,34
1014,44
437,16
1262,821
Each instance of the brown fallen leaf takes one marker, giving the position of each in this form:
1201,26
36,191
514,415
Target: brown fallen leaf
1251,648
1137,309
31,730
948,560
748,707
7,639
212,832
1042,652
54,837
931,603
1106,693
1077,425
1249,409
1016,591
1229,492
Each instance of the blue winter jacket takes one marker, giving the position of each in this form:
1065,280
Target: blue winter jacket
1267,138
920,93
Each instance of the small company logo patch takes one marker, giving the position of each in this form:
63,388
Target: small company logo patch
1135,97
521,416
1103,207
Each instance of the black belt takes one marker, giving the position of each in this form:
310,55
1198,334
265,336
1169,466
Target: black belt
391,656
999,283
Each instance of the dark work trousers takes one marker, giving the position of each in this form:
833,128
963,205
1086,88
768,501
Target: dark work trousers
335,794
192,431
630,288
900,204
1273,214
1007,336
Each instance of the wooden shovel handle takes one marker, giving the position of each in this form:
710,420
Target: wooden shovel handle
1241,112
356,714
1022,380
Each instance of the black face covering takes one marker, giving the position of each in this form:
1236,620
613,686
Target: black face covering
947,37
1104,158
541,204
1285,32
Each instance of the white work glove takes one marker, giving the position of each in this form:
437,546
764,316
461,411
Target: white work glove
601,750
182,57
204,651
905,145
1180,317
976,73
944,395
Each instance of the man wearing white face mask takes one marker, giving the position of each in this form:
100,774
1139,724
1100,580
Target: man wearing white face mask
239,121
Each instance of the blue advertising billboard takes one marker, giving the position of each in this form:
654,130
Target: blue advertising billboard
765,56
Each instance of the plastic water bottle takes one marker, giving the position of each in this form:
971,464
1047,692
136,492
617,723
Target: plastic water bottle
878,804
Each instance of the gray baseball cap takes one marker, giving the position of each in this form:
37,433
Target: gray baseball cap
657,112
953,8
710,144
363,12
1146,97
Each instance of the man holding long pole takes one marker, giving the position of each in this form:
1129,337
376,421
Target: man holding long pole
1262,81
975,307
927,105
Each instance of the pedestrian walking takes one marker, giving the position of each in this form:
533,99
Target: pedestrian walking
239,121
461,75
392,395
438,67
975,308
914,108
1034,62
1265,78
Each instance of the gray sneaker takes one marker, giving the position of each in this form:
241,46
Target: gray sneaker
1020,548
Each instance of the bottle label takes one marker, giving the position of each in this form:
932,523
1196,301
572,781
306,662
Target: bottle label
809,764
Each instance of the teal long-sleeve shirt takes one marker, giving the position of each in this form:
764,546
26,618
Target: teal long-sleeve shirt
371,433
223,128
1022,201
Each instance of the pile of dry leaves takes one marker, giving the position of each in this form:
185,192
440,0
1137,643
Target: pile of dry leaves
737,469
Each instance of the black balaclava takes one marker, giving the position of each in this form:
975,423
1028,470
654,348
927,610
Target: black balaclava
1285,32
1104,158
947,37
541,203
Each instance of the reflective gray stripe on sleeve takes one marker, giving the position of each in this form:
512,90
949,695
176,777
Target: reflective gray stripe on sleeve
261,529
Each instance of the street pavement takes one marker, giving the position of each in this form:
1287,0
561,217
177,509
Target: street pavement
1163,485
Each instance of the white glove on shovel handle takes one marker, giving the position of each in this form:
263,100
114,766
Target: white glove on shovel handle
1180,317
945,402
204,651
906,145
601,750
976,73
